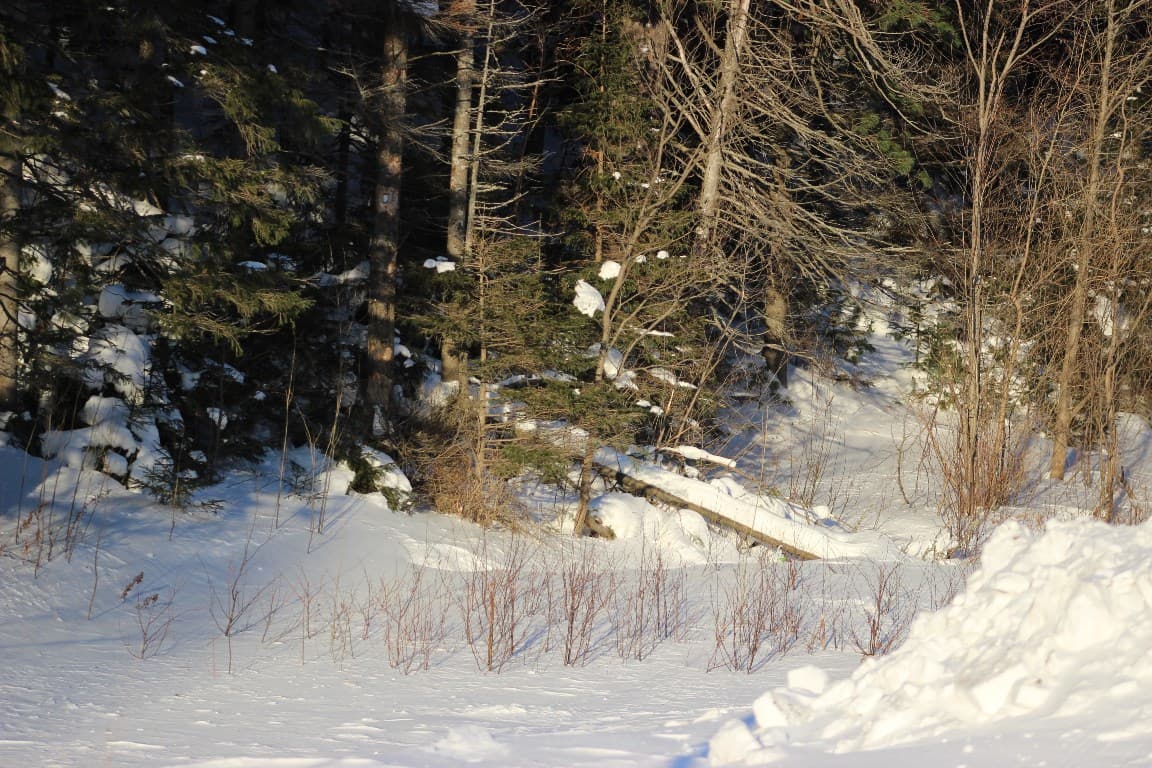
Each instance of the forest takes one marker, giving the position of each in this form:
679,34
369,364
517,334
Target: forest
492,237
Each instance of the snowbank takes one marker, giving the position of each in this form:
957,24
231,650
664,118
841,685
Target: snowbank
1053,625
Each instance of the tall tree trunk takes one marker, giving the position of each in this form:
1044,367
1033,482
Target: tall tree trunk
461,134
10,257
722,116
455,360
384,244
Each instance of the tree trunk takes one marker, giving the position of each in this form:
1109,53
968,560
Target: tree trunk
384,244
721,119
461,134
10,256
1078,312
454,359
776,334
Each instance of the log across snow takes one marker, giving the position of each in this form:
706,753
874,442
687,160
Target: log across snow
769,520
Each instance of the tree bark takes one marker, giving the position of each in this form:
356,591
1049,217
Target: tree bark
455,360
721,118
385,241
461,134
776,334
10,258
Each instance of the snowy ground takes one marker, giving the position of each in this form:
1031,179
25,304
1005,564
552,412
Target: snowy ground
234,634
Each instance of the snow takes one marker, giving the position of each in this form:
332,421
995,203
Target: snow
613,361
1110,314
1055,625
38,264
120,303
57,91
440,264
118,357
354,276
588,300
609,270
350,641
693,453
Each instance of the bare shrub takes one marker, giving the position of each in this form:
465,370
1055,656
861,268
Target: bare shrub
756,615
586,587
415,618
977,476
652,610
827,632
340,634
500,602
95,572
809,462
153,618
275,602
888,611
306,594
232,606
461,486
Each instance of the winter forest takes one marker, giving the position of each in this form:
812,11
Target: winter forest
404,361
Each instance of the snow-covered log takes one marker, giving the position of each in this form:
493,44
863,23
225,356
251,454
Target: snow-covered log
768,521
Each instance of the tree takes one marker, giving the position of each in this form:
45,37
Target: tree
10,176
1105,69
388,112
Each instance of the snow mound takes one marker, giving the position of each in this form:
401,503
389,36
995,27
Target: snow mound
681,535
469,744
1054,624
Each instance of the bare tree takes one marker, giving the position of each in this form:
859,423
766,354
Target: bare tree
1108,66
790,190
1000,43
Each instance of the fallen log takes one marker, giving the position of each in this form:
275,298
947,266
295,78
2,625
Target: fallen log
652,493
767,520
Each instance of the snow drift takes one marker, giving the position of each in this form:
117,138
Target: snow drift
1052,625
